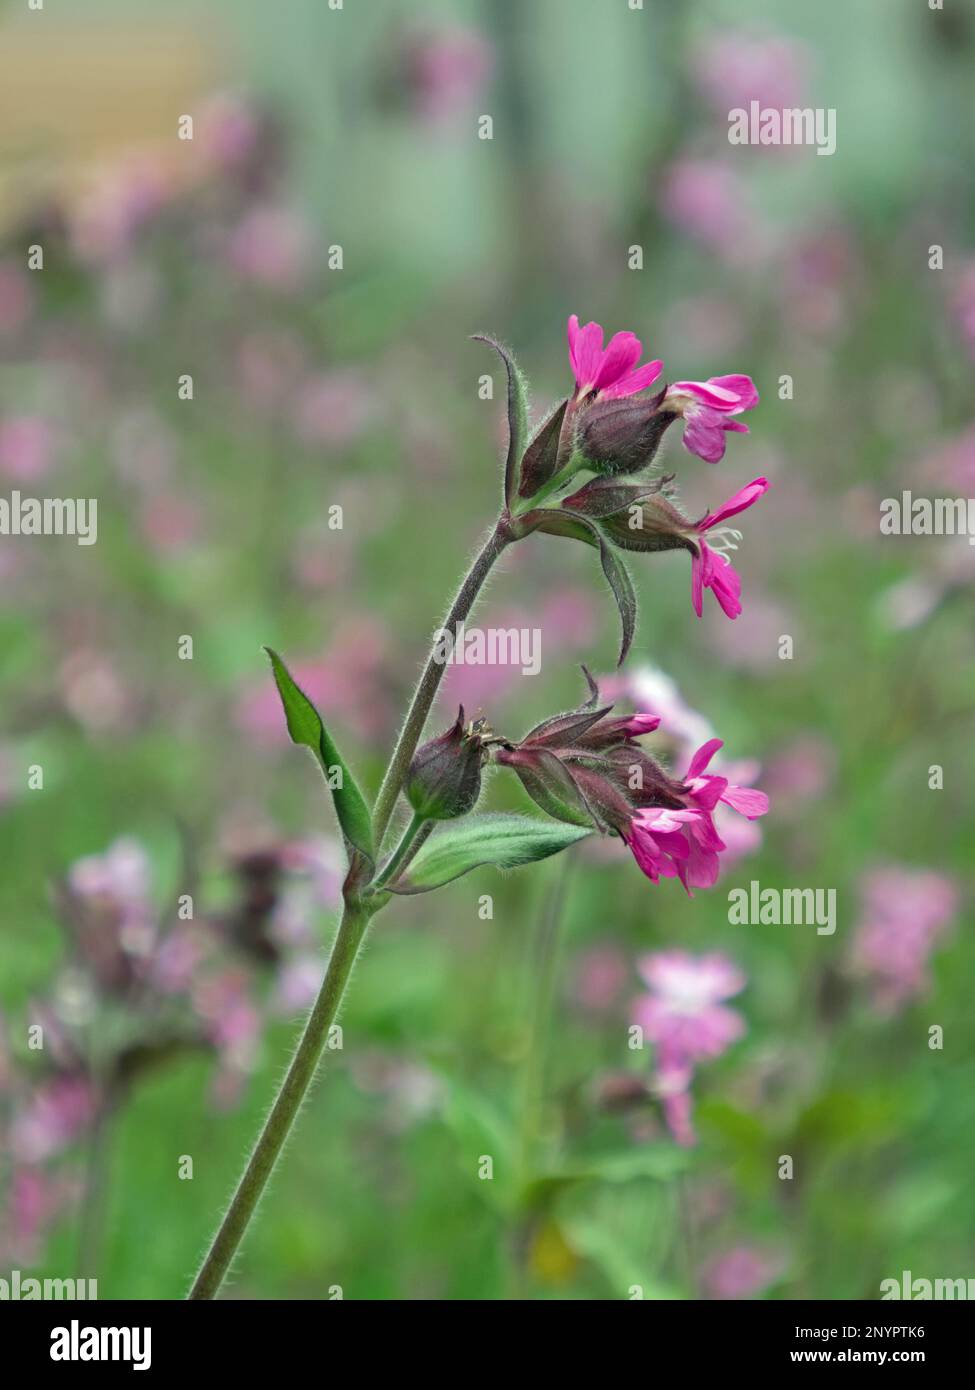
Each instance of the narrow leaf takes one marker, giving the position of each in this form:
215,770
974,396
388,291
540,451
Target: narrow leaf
542,455
517,414
306,727
506,841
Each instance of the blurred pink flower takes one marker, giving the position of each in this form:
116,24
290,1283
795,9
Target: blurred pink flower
176,960
734,68
35,1197
332,409
58,1112
598,978
821,278
652,689
269,362
683,1015
686,1020
233,1024
119,878
92,691
706,199
951,464
298,982
445,70
27,445
271,245
170,522
230,130
111,213
905,913
801,772
740,1273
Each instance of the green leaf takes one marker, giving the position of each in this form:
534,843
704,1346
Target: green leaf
305,726
506,841
517,414
541,459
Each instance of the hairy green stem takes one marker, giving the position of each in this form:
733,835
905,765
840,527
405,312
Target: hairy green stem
397,858
278,1124
429,682
352,928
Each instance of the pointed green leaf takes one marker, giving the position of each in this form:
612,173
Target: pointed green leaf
517,414
506,841
541,458
306,727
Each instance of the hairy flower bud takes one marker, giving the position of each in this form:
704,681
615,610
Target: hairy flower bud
622,436
444,779
653,523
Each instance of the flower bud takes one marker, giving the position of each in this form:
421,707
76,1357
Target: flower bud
622,436
444,780
654,523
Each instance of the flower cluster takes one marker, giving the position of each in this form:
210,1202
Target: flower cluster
612,426
707,407
905,914
587,768
207,982
685,1017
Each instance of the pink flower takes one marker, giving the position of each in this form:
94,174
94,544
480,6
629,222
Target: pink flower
740,1273
684,843
27,447
705,198
684,1016
445,71
271,246
707,408
600,975
905,913
609,372
59,1112
706,573
734,68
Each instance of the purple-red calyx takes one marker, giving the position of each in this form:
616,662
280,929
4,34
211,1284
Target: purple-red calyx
444,778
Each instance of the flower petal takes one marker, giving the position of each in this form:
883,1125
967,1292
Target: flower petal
743,499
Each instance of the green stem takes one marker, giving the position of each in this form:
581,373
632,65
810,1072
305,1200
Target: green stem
352,929
401,851
277,1126
433,674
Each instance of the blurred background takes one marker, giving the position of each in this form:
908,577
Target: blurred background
315,259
